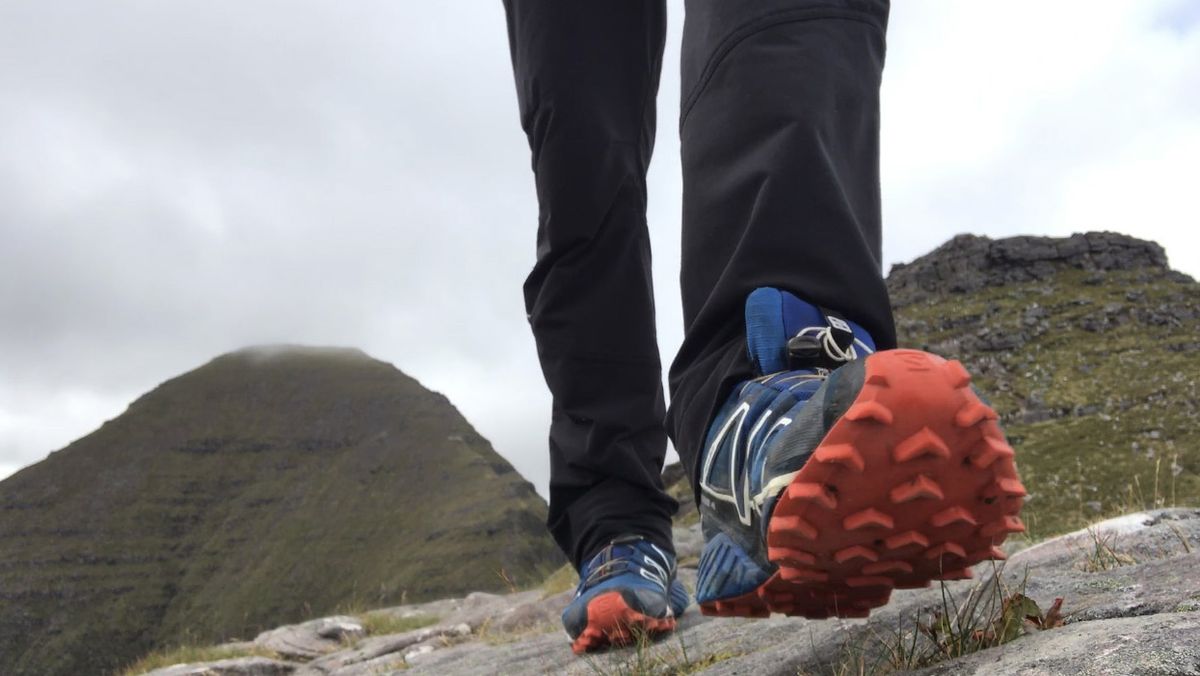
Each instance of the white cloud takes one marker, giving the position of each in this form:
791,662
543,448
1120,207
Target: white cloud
1043,119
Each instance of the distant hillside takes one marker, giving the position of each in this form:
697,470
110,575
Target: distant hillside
267,486
1089,346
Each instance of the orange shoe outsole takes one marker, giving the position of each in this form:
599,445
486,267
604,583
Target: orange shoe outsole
611,622
914,483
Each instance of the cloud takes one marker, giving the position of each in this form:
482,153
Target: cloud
182,179
1044,119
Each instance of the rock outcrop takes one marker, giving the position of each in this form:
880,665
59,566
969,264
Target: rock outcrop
970,262
1130,605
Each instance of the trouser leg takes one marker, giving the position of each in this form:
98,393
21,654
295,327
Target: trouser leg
587,76
779,130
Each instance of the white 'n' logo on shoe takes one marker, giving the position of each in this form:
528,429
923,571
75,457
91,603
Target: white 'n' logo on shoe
739,469
656,573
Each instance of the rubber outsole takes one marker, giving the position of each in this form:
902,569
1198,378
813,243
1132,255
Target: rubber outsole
611,622
914,483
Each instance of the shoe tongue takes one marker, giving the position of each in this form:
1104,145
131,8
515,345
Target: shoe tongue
773,317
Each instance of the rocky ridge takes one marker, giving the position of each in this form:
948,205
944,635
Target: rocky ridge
969,263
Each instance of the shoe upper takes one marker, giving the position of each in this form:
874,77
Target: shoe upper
808,373
644,575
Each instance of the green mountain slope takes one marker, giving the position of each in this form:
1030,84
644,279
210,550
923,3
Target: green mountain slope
264,487
1089,346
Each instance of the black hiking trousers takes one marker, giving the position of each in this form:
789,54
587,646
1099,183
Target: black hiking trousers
779,126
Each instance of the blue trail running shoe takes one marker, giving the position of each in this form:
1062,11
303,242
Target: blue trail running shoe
841,473
628,588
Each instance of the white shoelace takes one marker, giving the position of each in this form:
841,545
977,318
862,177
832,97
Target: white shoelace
824,334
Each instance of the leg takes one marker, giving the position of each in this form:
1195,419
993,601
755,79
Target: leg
587,75
780,143
831,473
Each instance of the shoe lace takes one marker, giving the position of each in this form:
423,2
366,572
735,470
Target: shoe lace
612,563
824,335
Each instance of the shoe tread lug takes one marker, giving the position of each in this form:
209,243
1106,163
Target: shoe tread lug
868,518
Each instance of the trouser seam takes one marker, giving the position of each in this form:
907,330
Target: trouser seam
753,27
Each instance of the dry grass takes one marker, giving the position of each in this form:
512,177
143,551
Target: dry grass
379,623
186,654
1103,554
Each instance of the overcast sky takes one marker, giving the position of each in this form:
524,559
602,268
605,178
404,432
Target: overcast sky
182,178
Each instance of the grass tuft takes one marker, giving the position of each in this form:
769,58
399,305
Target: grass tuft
380,623
560,581
1104,554
186,654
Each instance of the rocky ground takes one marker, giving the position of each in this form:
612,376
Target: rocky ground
1130,590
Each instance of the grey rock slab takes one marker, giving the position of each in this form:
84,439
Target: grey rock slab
384,664
339,630
239,666
417,651
688,577
373,647
1163,644
688,541
540,612
775,645
476,609
544,654
310,639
